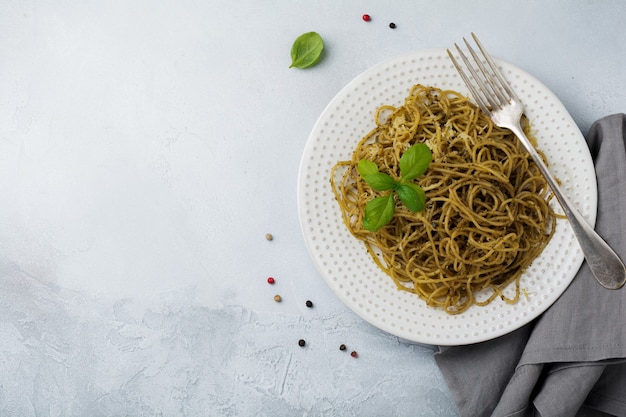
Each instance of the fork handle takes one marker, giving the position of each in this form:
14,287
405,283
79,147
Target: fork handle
604,263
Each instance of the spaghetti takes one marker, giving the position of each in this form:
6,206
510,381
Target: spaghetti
487,213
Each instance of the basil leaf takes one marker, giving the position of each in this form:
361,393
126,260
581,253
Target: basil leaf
412,196
306,50
378,212
366,167
380,181
415,161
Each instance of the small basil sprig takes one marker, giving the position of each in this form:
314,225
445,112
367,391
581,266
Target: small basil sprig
380,210
306,50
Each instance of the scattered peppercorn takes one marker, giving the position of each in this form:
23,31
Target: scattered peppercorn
309,304
301,342
354,354
269,236
277,298
392,25
366,17
271,280
342,347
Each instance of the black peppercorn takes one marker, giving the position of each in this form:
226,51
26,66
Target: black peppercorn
392,25
342,347
301,342
309,304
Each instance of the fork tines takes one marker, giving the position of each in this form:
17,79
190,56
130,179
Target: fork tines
491,90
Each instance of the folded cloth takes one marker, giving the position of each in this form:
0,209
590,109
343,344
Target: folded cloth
572,357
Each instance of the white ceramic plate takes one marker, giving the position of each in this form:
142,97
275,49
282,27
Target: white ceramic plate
344,262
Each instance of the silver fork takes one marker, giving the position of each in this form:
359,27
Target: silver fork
495,97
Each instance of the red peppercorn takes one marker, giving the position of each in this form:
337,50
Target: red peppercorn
270,280
354,354
366,17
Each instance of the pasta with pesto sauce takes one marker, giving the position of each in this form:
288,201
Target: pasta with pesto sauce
487,214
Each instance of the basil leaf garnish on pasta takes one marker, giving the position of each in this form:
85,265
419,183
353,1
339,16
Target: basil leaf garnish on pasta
381,181
366,167
377,180
378,212
412,196
413,163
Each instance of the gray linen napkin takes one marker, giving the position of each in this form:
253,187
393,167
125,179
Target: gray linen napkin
573,357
